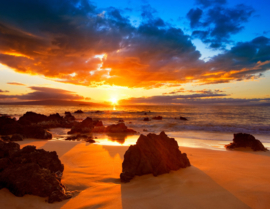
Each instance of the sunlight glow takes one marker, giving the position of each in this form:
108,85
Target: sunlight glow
114,100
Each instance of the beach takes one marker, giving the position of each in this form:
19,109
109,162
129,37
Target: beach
216,179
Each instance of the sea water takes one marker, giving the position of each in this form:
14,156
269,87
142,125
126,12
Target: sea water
207,126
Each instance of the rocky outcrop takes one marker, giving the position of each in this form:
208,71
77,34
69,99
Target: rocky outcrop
69,117
246,141
152,154
36,132
119,128
78,111
157,118
183,118
31,171
86,126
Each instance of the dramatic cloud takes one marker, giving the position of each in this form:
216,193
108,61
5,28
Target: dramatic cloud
204,99
216,24
75,42
16,84
44,93
204,91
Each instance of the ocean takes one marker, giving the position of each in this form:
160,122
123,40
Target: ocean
207,126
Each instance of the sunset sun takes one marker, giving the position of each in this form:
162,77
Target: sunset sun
114,101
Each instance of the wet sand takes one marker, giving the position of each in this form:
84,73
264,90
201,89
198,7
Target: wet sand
216,179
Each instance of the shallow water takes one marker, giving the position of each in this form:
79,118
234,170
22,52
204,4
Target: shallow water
207,126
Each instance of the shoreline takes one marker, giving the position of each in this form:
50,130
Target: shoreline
216,179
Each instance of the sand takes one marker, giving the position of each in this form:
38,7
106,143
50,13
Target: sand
216,179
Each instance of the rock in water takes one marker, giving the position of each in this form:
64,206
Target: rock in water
31,171
246,140
156,154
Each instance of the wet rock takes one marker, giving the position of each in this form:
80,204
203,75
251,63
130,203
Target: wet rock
69,117
119,128
16,137
146,119
246,140
78,111
152,154
31,171
157,118
32,118
183,118
86,126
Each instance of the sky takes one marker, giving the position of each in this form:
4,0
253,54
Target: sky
135,52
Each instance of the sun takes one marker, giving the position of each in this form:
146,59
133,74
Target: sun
114,101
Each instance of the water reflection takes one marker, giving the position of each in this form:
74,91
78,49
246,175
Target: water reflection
117,139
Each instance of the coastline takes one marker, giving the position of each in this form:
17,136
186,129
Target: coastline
216,179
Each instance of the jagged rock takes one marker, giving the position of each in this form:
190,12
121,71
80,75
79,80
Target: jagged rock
183,118
32,118
31,171
78,111
157,118
69,117
86,126
36,132
119,128
146,119
246,140
156,154
16,137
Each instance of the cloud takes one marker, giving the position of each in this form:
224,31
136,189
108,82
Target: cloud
196,99
2,91
16,83
217,23
75,42
44,93
204,91
208,3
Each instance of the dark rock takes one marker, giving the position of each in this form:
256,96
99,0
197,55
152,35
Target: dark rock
183,118
90,140
120,121
5,138
98,123
156,154
246,140
145,130
4,120
146,119
86,126
157,118
32,118
16,137
31,171
36,132
78,111
119,128
69,117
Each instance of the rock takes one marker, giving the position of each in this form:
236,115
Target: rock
32,118
36,132
5,138
16,137
86,126
120,121
4,120
246,140
10,129
78,111
31,171
156,154
146,119
183,118
157,118
69,117
90,140
145,130
119,128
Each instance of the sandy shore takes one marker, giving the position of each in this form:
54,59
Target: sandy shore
216,179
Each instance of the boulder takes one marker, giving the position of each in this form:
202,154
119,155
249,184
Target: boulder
31,171
119,128
86,126
146,119
69,117
32,118
36,132
246,140
152,154
183,118
78,111
157,118
16,137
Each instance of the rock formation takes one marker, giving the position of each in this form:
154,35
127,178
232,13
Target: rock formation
157,118
183,118
246,140
119,128
31,171
156,154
